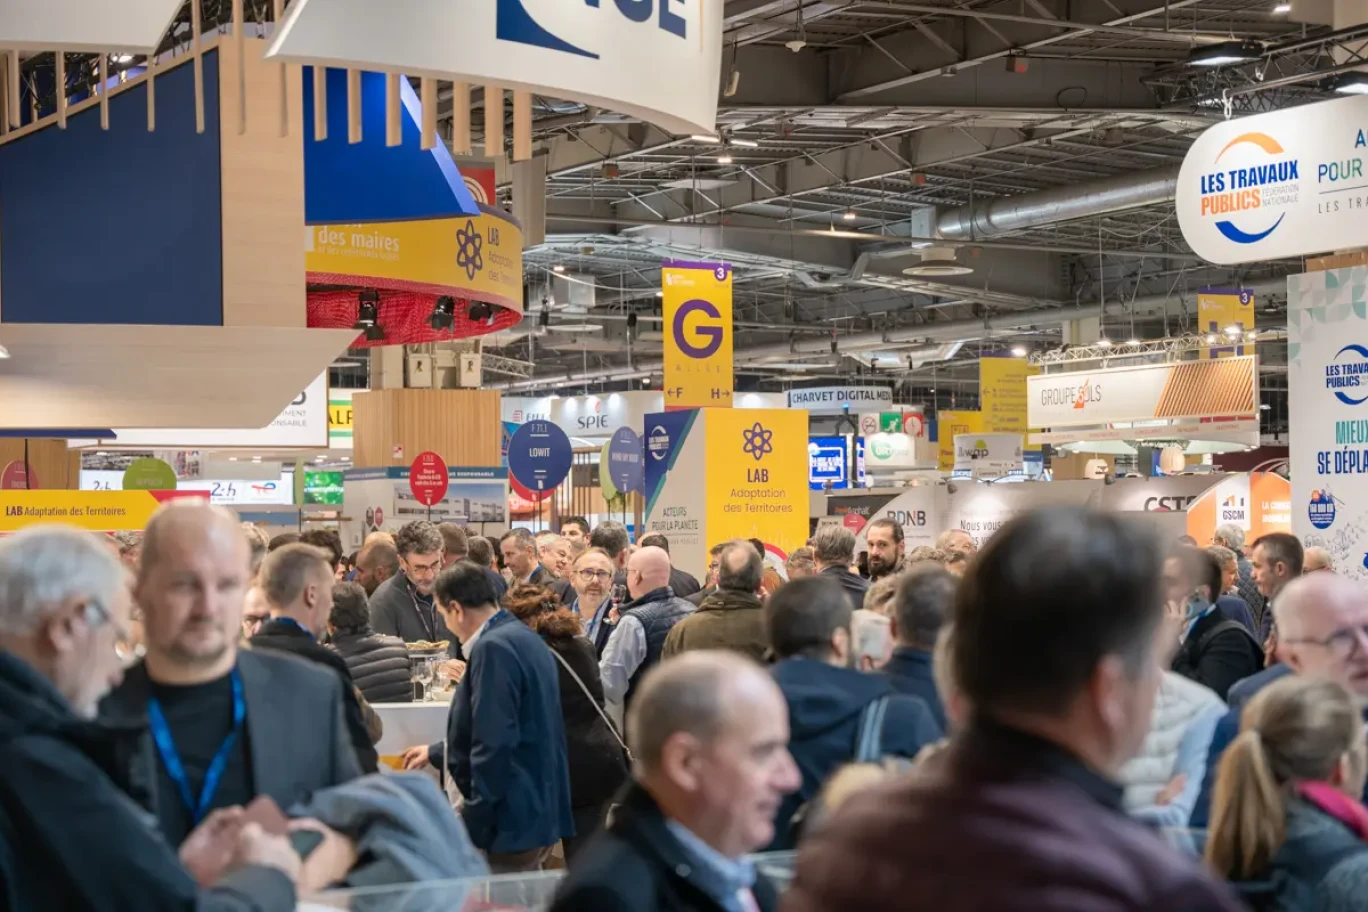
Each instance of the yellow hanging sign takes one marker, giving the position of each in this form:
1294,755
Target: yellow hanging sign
698,334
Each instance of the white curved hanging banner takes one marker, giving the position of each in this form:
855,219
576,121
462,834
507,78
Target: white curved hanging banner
85,25
655,59
1285,184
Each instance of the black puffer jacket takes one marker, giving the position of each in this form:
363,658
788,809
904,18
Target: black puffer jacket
379,664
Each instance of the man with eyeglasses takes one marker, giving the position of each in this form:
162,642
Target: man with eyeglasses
1322,623
592,582
402,605
71,839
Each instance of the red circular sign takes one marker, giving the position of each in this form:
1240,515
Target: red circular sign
527,493
15,478
428,478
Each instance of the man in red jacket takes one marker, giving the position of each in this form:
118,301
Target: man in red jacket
1053,652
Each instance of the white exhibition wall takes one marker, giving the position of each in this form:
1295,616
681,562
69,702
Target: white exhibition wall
1327,405
981,508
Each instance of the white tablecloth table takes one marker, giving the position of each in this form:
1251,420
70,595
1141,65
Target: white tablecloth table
410,724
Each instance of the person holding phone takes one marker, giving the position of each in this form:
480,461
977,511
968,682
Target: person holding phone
69,838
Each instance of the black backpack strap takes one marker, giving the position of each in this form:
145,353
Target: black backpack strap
1220,628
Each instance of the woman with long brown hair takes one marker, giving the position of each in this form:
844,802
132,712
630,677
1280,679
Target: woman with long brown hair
1286,823
598,763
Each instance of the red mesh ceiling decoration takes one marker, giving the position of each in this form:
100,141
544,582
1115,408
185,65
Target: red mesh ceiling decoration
403,315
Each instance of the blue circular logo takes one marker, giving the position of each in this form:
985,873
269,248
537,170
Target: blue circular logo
1321,509
539,455
1345,375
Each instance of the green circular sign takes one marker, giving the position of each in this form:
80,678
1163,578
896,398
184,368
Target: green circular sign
148,474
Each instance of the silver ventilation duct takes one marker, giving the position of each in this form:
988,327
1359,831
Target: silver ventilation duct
1059,204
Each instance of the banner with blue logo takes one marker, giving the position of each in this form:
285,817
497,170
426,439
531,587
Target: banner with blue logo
1327,374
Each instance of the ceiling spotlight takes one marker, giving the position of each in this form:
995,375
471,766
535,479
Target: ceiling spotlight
1281,8
1018,351
724,159
1226,53
479,311
1211,339
368,315
443,314
558,268
849,215
1350,84
1104,342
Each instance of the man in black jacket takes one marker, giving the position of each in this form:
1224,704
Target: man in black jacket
709,734
1215,651
276,721
379,664
69,838
833,549
298,583
921,604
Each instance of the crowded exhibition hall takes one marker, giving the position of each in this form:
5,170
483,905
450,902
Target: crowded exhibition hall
683,456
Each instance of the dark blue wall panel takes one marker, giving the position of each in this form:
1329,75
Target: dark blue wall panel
117,226
347,182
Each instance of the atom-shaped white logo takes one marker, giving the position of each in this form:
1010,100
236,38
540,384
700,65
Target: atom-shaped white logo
759,441
468,252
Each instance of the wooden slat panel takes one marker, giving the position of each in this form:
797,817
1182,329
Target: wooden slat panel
263,195
462,426
55,468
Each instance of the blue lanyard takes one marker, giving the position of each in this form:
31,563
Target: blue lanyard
166,747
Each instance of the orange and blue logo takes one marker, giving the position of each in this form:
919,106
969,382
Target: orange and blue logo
1240,193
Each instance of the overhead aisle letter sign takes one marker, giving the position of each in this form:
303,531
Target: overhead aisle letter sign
698,334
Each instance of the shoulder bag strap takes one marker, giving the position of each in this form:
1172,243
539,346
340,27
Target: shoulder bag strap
595,703
869,738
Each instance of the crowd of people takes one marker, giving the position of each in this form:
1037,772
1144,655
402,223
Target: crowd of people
1078,717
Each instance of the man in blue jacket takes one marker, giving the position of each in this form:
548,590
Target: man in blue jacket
836,714
921,603
505,744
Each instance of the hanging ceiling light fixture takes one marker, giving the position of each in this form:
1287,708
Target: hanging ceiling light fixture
443,314
800,40
1226,53
368,315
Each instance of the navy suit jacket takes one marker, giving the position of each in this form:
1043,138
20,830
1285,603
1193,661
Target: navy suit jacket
1241,692
909,671
507,739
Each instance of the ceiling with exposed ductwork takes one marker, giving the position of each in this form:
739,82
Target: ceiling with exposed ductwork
1032,143
1036,142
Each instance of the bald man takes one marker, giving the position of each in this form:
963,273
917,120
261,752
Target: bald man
1317,558
638,642
709,733
1320,622
275,722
